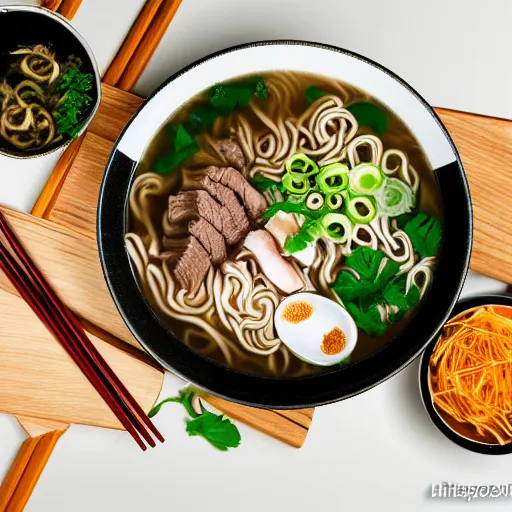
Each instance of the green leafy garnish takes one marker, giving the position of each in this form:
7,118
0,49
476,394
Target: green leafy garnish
368,319
308,233
262,183
183,146
201,119
377,286
71,107
224,98
345,362
394,293
287,207
261,90
370,115
365,262
426,233
313,93
217,429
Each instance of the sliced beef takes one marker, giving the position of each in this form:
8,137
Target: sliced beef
189,261
232,153
227,198
196,204
254,202
212,241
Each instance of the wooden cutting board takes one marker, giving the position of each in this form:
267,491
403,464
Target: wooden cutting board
47,392
485,146
71,264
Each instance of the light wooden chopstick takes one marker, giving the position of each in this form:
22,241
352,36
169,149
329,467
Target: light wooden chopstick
53,5
50,192
26,470
67,8
132,40
148,44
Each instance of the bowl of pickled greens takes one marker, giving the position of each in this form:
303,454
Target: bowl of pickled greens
49,82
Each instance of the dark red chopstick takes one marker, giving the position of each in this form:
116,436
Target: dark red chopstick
66,314
33,287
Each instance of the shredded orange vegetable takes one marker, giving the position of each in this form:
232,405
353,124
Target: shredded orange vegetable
471,373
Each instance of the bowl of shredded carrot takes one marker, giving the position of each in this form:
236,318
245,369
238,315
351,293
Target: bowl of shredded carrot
466,375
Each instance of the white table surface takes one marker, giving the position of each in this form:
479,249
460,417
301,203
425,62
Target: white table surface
375,451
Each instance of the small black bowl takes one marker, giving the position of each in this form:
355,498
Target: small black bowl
475,446
23,25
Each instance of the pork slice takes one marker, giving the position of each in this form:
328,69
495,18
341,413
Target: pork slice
232,153
196,204
254,202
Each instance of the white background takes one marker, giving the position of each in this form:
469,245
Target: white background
378,451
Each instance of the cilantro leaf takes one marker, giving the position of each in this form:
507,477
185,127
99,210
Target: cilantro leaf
217,429
71,108
377,286
394,294
261,91
390,270
370,115
369,320
308,233
226,97
426,233
201,119
345,362
287,207
262,183
365,261
157,407
313,93
350,288
183,146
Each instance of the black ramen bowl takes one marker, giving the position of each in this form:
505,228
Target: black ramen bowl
464,441
23,25
322,388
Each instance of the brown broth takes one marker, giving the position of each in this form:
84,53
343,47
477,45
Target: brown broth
397,136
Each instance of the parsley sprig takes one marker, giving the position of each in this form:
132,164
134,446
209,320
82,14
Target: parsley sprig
217,429
71,108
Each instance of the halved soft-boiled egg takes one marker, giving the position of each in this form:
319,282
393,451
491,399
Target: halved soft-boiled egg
315,328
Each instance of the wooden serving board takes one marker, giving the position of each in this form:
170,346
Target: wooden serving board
63,245
485,146
70,262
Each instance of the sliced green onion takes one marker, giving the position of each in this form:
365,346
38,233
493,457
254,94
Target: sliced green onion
315,201
395,198
365,179
295,185
333,178
334,201
361,209
337,227
301,165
